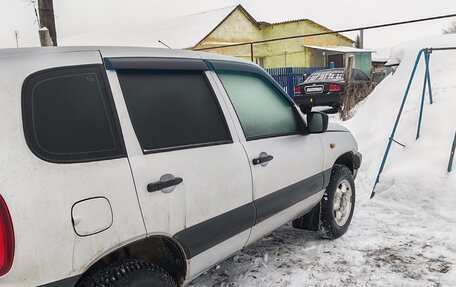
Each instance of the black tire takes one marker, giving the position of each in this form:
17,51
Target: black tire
329,226
337,108
305,109
130,273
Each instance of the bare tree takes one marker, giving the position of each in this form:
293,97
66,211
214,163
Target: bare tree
451,29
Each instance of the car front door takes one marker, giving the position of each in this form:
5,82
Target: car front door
286,165
191,173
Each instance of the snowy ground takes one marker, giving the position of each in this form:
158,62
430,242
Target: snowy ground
406,235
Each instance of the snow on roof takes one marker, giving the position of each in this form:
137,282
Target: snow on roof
341,49
381,54
178,33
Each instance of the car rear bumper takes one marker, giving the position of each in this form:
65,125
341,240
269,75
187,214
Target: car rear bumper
332,99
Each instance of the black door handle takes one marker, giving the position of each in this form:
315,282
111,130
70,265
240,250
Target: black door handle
263,158
161,184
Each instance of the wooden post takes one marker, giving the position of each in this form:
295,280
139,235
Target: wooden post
349,69
348,101
251,52
45,38
47,20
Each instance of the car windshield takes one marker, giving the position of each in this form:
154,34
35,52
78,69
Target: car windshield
326,75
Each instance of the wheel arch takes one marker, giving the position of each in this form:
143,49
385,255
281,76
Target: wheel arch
311,220
347,159
159,250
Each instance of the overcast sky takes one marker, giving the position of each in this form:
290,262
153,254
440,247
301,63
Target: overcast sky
83,16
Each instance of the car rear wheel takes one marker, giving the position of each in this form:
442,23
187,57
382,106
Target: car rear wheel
130,273
338,203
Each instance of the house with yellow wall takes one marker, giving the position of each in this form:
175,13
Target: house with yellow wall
235,25
238,26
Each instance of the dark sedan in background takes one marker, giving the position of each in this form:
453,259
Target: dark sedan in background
325,88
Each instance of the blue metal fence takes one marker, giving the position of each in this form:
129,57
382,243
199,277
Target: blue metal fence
290,77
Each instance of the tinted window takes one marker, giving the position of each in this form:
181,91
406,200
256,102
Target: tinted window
172,109
262,110
67,116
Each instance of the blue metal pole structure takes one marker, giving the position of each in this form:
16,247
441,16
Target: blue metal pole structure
393,132
428,58
427,54
453,148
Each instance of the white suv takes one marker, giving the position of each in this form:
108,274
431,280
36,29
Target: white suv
145,167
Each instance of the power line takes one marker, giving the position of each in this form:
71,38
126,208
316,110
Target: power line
332,32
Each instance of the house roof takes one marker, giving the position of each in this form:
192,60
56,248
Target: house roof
310,22
340,49
178,33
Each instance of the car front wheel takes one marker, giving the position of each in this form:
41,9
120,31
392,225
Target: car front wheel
338,203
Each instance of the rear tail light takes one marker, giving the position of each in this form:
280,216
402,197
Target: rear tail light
297,90
6,239
335,88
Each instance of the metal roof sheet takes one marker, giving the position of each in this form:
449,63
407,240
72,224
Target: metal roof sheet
341,49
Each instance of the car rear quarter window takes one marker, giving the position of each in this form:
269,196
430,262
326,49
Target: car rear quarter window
172,109
68,116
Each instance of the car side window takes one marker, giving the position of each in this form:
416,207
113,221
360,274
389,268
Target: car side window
262,110
360,76
68,115
172,109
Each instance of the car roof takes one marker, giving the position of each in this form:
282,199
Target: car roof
335,69
112,51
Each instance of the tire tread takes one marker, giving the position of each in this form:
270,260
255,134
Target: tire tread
110,275
326,227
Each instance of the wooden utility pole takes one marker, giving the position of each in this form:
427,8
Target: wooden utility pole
45,37
47,20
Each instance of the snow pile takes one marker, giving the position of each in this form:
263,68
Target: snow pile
424,161
406,235
416,196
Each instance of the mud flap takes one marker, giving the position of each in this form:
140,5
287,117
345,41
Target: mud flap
309,221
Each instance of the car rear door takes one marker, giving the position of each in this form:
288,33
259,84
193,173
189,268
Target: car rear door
286,165
191,173
65,174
